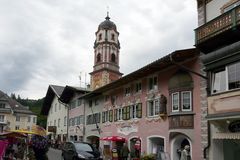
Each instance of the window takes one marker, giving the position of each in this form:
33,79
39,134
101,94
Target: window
98,57
113,58
65,120
113,37
182,101
59,122
153,107
17,127
126,113
56,107
18,118
127,91
29,119
107,116
152,83
228,78
2,105
118,114
136,111
175,102
73,104
138,87
2,118
34,119
93,118
100,37
186,101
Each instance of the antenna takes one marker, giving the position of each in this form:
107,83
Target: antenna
107,11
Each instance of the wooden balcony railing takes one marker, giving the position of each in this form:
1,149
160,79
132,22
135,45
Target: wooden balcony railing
181,121
226,21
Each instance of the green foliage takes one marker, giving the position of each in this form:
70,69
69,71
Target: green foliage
35,106
148,157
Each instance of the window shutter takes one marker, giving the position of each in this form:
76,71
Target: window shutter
124,113
128,112
139,110
110,115
115,114
103,117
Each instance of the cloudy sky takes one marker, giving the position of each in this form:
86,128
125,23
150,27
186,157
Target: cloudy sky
46,42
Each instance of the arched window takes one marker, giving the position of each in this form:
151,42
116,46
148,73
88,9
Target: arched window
100,37
180,88
98,57
113,57
113,37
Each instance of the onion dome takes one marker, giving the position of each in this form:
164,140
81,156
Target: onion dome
107,24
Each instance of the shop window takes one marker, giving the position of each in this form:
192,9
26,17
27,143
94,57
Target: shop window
227,78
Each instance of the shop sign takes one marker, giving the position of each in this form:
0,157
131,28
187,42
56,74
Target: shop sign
234,126
52,129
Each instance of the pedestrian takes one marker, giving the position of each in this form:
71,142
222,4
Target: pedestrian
125,152
185,154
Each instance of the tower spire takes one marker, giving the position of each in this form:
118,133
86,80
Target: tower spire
107,18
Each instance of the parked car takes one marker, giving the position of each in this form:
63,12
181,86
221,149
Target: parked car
80,151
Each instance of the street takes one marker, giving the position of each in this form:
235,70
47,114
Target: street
54,154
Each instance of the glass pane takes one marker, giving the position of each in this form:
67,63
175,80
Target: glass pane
219,81
186,100
234,76
175,102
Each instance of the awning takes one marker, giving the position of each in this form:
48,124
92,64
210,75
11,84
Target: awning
114,138
226,136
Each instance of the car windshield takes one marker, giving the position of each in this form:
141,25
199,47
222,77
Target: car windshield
83,147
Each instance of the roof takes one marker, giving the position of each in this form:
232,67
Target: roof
107,24
53,90
69,92
158,65
15,106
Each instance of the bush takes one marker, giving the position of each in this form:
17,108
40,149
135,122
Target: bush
148,157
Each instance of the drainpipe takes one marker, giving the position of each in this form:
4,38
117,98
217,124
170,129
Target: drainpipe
209,141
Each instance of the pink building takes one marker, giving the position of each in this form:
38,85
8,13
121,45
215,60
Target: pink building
158,104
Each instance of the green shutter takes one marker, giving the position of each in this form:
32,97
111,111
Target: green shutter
103,117
128,112
110,115
115,114
124,113
139,110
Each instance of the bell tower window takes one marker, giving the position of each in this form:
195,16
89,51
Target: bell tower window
113,58
98,57
100,37
113,37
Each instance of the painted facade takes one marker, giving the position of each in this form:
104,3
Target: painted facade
14,116
163,112
218,39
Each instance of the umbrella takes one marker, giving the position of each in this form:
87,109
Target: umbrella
13,134
113,138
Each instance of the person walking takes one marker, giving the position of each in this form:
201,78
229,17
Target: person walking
185,154
125,152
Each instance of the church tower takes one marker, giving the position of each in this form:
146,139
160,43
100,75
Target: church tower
106,55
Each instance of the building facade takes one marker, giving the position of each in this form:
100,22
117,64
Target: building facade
158,105
15,116
217,38
76,112
56,113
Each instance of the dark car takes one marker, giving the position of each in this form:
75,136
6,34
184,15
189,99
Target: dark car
80,151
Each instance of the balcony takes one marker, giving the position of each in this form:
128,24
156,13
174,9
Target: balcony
219,32
185,121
